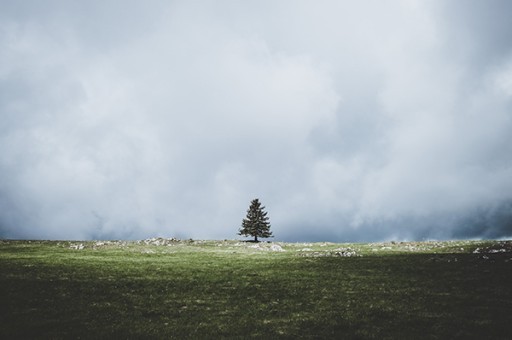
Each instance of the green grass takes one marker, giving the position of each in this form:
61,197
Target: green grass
228,289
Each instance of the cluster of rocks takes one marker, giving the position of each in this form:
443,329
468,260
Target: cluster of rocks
495,252
339,252
499,247
77,246
273,247
424,246
159,241
100,244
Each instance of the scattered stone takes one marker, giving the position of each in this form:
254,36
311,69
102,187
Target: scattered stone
345,252
339,252
492,251
276,247
77,246
159,241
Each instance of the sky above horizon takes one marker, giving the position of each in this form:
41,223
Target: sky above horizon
349,120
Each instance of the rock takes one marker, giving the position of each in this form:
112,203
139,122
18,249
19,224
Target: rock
159,241
77,246
492,251
276,247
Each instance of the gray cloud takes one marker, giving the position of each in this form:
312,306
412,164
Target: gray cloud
350,121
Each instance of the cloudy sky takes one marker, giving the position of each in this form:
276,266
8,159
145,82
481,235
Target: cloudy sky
350,120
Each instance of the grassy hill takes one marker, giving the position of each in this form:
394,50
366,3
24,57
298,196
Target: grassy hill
166,288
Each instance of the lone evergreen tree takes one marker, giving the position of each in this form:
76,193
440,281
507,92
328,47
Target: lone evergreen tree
256,223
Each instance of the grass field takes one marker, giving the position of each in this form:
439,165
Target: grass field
161,288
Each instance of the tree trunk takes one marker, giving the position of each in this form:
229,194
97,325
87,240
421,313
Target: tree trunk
255,238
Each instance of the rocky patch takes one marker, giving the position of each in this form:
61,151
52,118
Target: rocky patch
338,252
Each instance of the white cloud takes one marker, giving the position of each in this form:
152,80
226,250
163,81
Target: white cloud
349,120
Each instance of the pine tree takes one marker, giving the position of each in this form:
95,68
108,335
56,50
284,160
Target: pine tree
256,223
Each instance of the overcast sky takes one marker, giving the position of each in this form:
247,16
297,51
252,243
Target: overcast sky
349,120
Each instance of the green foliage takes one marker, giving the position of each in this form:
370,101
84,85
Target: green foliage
256,223
229,289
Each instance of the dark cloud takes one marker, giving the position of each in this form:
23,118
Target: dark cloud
350,121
